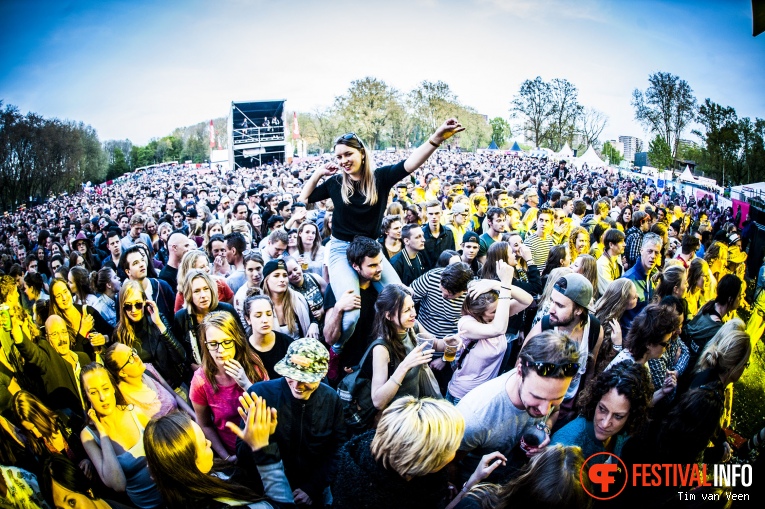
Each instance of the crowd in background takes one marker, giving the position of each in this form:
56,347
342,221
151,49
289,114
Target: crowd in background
174,337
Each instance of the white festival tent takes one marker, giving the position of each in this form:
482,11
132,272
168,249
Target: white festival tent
687,176
565,153
591,158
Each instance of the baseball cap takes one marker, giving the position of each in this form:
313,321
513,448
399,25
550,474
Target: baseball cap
459,208
306,361
272,266
576,287
471,237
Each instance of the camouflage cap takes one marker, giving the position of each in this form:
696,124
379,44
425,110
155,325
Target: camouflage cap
307,361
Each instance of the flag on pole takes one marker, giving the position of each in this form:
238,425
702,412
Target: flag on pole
212,135
295,127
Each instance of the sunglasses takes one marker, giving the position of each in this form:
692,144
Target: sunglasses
549,369
131,359
129,307
349,137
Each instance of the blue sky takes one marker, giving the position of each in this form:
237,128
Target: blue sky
137,69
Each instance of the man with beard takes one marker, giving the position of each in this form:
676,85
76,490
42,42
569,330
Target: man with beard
569,315
525,400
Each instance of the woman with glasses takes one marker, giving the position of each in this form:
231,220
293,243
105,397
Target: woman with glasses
141,384
87,328
228,369
200,299
359,194
144,329
612,407
113,438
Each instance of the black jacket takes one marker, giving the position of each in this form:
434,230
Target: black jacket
434,246
163,351
61,385
363,482
309,436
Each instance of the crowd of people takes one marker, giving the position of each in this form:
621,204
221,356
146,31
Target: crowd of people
423,329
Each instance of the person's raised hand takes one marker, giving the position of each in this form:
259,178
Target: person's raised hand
447,130
481,286
328,169
257,422
505,272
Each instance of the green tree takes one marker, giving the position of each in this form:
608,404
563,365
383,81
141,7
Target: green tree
367,109
118,166
534,106
659,153
721,140
566,109
666,108
613,155
500,131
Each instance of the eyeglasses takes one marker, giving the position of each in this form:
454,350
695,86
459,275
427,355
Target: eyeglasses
214,346
349,137
129,306
548,369
131,359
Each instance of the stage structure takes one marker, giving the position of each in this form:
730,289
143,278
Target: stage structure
256,133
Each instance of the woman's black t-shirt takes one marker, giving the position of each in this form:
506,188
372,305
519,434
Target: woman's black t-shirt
277,353
357,218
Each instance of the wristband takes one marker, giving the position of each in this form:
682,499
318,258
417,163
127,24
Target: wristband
395,382
430,140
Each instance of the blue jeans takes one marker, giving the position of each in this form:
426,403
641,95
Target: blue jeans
451,399
342,277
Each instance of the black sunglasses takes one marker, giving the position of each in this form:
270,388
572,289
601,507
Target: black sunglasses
129,307
349,137
549,369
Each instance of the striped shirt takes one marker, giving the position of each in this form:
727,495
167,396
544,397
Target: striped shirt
540,249
437,315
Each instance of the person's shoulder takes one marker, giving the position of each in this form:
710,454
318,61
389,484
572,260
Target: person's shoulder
225,306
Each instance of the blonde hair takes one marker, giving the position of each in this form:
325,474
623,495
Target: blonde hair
288,305
187,293
418,437
125,331
208,227
572,242
187,264
241,226
553,278
728,351
367,183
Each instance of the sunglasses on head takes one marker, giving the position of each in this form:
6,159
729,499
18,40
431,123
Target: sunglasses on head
549,369
349,137
129,307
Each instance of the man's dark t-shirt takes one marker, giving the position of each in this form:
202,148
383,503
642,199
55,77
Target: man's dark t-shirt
170,276
358,343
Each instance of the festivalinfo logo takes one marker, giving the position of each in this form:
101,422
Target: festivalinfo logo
608,476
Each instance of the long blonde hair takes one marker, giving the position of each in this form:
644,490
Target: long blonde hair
288,306
367,183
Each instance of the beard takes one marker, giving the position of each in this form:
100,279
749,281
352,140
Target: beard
561,323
